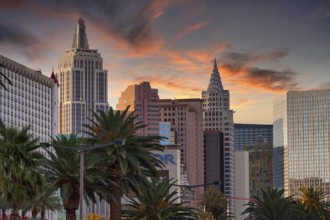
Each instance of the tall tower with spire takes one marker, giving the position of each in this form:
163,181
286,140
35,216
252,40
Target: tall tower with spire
82,83
218,119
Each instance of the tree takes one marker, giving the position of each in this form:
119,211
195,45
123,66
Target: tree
156,202
62,172
215,203
20,161
2,74
125,163
47,199
273,206
314,202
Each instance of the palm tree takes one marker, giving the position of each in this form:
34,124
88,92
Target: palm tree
2,74
215,203
47,199
314,202
20,176
205,216
156,202
62,172
124,163
273,206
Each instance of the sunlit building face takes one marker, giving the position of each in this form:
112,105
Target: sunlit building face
307,154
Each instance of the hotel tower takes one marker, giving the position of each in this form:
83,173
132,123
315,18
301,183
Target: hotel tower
218,116
83,83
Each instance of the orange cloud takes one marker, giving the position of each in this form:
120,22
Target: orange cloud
190,29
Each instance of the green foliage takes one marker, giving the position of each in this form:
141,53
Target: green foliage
215,203
62,171
314,203
273,206
20,177
127,165
156,202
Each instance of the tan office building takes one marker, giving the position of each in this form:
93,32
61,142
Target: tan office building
185,116
144,100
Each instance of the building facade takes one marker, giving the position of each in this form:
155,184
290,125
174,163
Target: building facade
214,162
249,134
307,153
280,141
83,84
144,100
31,100
260,166
185,116
242,195
217,116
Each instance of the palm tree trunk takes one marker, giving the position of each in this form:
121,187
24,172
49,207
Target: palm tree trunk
42,213
70,214
115,207
14,215
34,213
4,215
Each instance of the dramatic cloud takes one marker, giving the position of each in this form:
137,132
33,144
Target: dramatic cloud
21,40
174,85
128,21
190,29
240,68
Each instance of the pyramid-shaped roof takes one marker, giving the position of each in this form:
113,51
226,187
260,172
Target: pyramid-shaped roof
215,81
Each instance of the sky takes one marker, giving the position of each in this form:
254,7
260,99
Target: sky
263,48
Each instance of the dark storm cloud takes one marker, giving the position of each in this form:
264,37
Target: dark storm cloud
20,39
132,20
242,68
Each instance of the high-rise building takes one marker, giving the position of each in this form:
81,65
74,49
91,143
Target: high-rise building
185,116
249,134
218,116
242,194
31,100
260,166
280,140
83,84
144,100
214,163
306,139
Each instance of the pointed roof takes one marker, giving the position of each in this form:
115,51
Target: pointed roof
215,81
80,40
53,77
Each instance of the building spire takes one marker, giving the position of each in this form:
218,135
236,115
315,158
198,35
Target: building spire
80,40
215,81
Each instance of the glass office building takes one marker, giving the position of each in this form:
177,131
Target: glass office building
308,140
305,137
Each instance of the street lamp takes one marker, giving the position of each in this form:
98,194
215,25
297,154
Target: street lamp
82,149
189,187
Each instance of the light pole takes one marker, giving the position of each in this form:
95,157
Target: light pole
82,149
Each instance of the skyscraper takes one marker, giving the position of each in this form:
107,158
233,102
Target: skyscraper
185,116
144,100
31,100
219,117
306,155
83,83
280,140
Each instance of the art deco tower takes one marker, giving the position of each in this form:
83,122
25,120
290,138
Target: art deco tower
83,83
218,116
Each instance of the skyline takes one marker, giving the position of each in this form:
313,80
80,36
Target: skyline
263,48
